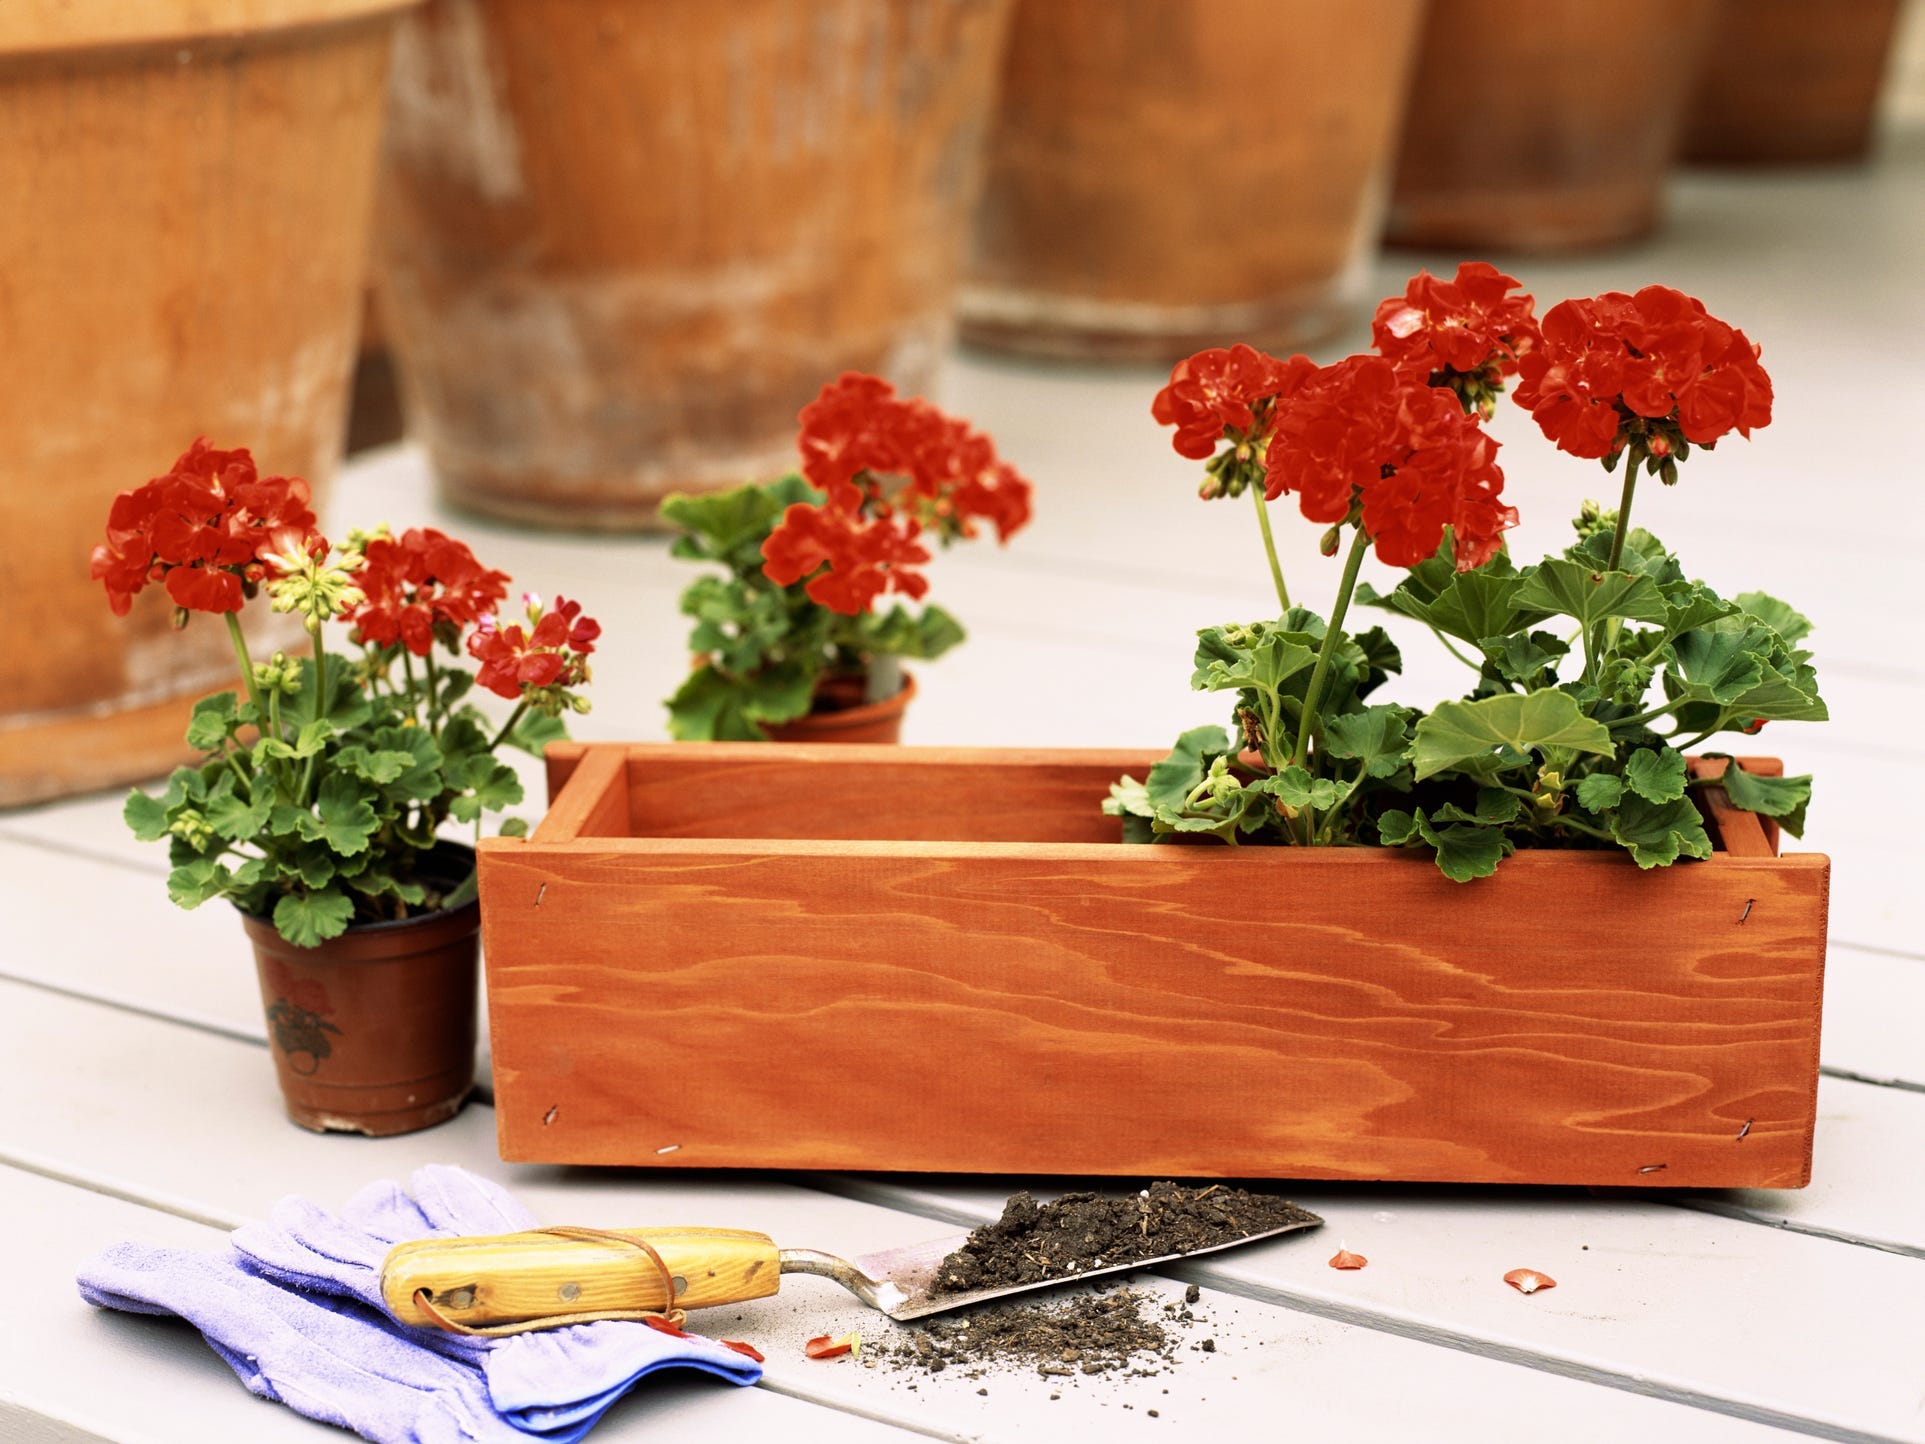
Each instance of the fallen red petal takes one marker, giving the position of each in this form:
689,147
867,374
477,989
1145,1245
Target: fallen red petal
1343,1258
742,1348
824,1347
662,1325
1529,1281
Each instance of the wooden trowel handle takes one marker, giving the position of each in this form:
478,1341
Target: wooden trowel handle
512,1278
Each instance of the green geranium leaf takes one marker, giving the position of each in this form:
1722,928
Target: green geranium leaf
1128,798
1656,776
1600,792
313,864
212,723
726,522
1657,834
921,636
487,786
1379,737
1791,625
345,820
1721,664
1296,789
419,778
1395,827
1487,602
1784,798
1571,589
1258,657
346,705
147,816
514,827
237,819
1465,852
1689,605
534,731
1471,732
380,767
309,919
1523,659
711,706
193,883
311,739
1494,808
1176,776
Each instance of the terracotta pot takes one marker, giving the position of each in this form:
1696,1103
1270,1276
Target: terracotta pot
374,1031
1786,80
1539,125
1171,174
843,715
624,244
187,186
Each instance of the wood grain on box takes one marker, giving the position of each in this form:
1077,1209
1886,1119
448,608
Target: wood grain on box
915,987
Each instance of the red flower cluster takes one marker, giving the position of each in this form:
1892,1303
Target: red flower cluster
1362,432
1446,332
1219,391
864,559
415,581
1655,367
856,436
204,529
551,652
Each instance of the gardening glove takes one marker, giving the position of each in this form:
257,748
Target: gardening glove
329,1359
554,1382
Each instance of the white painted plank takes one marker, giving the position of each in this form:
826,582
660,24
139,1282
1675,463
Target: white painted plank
69,1371
1663,1298
203,1133
1873,1004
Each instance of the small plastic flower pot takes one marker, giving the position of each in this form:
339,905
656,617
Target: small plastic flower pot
373,1032
841,715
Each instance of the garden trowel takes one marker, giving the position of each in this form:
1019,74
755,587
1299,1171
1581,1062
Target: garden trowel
562,1276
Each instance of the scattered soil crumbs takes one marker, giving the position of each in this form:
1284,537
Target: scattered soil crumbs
1121,1332
1032,1242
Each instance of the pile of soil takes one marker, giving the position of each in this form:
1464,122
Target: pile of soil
1078,1232
1105,1332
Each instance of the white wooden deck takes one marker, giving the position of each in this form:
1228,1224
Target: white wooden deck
136,1099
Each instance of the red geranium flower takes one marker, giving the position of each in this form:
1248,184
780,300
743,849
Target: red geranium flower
1217,391
1655,367
1466,333
888,468
202,530
552,651
1363,436
418,580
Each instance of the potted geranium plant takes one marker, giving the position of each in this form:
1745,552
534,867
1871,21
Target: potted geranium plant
1560,741
319,807
789,642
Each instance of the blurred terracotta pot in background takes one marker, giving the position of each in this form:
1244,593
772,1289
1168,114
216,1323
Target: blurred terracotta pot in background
1171,174
1789,80
625,243
183,244
1544,125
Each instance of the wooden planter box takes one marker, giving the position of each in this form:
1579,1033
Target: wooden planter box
783,956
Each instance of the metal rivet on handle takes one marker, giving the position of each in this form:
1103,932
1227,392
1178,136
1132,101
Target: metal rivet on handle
570,1292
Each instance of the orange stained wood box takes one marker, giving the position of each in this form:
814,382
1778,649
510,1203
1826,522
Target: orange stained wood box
845,957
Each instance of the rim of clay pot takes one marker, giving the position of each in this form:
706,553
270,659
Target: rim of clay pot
404,931
859,716
27,26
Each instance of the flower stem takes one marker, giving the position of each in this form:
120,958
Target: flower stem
508,726
320,703
1633,455
1270,547
1332,631
434,695
247,667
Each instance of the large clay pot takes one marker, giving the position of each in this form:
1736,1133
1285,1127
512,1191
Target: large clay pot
1544,125
842,714
374,1031
182,245
1171,174
1787,80
625,243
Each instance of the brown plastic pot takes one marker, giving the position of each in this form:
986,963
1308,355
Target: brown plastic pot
183,242
842,715
1790,81
374,1031
623,244
1544,125
1171,174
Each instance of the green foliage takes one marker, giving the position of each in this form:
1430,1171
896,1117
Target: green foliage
1559,743
763,648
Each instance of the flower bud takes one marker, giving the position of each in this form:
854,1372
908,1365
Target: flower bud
1332,539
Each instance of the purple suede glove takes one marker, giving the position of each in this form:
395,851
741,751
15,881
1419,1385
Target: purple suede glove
324,1276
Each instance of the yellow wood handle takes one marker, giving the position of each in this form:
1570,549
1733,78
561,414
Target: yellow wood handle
510,1278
